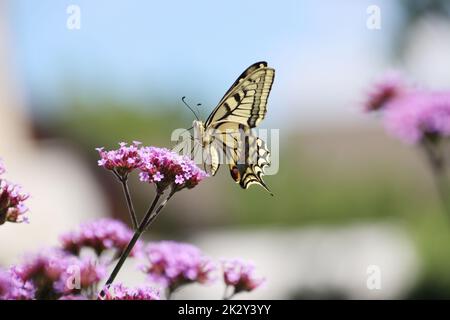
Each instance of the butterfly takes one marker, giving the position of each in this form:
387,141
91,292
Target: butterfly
227,137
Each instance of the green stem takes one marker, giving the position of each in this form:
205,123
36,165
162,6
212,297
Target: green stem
437,163
130,206
232,294
224,296
131,244
161,206
168,294
124,182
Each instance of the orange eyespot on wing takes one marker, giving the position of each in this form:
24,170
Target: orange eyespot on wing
235,174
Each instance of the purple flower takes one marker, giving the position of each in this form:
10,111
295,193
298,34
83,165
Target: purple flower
55,272
2,167
100,235
48,264
13,287
157,177
80,274
179,179
158,165
383,91
120,292
240,275
173,264
41,272
12,207
123,160
417,115
5,284
166,168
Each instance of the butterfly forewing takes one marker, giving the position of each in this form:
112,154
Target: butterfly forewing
246,101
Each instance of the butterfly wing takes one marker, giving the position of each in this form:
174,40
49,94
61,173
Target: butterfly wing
212,158
252,158
228,128
246,100
246,154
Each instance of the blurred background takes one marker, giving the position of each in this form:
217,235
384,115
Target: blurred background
347,195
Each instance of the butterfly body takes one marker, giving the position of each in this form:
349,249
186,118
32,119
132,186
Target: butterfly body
227,137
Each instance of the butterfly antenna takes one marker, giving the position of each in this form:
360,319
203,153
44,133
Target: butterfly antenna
197,109
189,107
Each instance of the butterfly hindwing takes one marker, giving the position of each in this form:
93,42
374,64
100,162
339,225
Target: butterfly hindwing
246,154
253,158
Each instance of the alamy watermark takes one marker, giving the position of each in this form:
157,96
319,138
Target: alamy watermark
373,277
230,146
373,21
74,280
73,21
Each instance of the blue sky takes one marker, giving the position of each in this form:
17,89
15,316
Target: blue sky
149,50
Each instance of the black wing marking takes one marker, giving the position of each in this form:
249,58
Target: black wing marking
256,159
246,154
246,101
249,70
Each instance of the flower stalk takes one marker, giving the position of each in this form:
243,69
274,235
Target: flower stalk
161,206
137,234
434,152
130,206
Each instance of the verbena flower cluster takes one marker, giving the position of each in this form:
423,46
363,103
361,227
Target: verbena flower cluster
12,200
409,113
120,292
124,160
160,166
54,273
64,272
67,272
240,275
5,284
13,288
384,90
419,115
174,264
100,235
